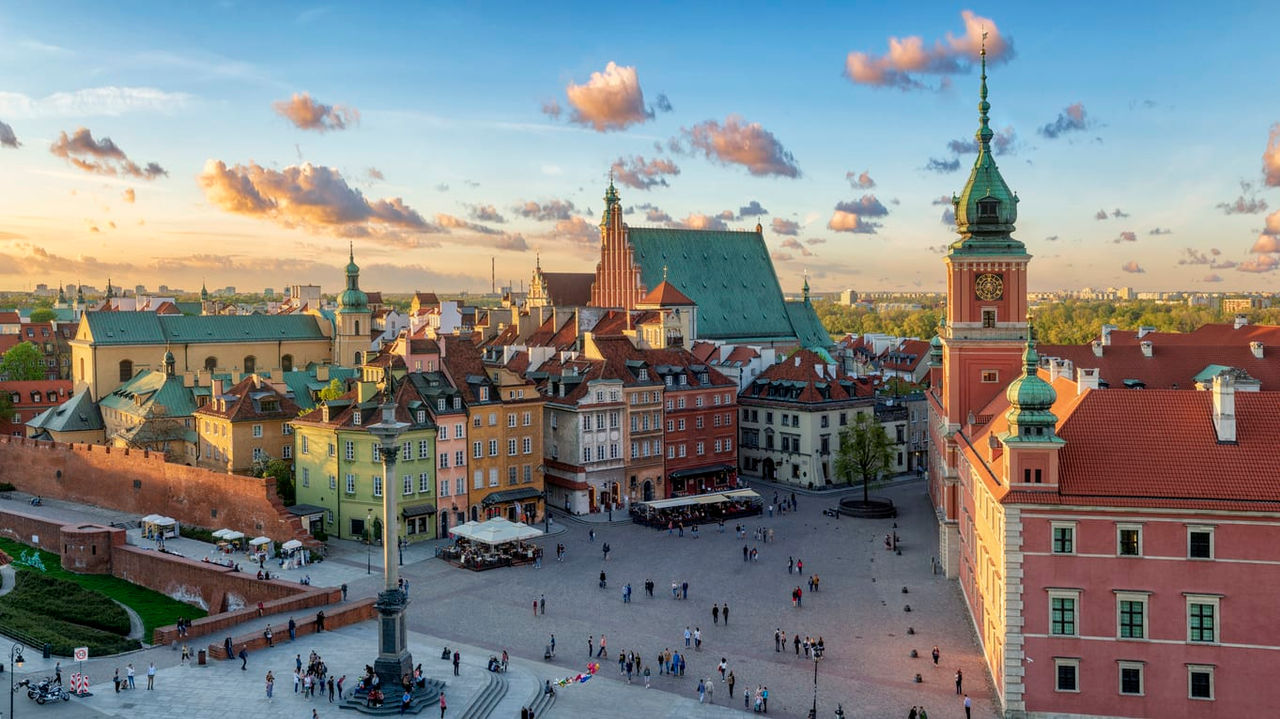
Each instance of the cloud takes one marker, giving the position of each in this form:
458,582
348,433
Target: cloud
948,216
375,174
861,181
1119,213
1160,231
942,166
553,210
1004,141
792,243
843,221
1072,119
816,241
725,215
315,198
1100,215
1132,266
908,57
129,195
1212,277
442,187
866,206
1243,206
1192,256
652,213
1270,157
752,209
944,200
780,257
785,227
486,213
576,229
699,221
102,157
643,174
1126,237
7,138
93,102
452,222
609,100
552,109
1266,243
1261,263
308,114
741,143
512,242
662,103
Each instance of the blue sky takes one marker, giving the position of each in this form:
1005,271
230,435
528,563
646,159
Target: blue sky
1169,118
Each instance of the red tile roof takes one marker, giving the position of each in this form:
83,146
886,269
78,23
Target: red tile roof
666,295
1177,358
60,387
796,379
906,356
9,318
245,402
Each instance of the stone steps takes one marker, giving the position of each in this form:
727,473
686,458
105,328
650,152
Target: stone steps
541,702
489,698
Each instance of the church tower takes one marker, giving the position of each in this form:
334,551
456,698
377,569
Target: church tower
352,322
986,286
1031,445
617,284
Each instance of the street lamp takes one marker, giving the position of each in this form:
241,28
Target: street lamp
15,662
817,656
368,544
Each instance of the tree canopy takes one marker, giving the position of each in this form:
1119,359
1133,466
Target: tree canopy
22,362
336,389
864,453
43,314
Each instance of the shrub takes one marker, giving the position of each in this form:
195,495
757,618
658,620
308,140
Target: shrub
63,636
197,533
320,535
7,487
61,599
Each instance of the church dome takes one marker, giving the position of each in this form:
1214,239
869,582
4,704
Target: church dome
1031,398
353,299
935,350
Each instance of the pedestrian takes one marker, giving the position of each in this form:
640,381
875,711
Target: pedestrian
244,658
230,653
959,681
341,680
936,654
702,691
260,609
797,644
799,566
646,677
715,613
293,629
724,663
711,691
344,592
730,681
535,607
744,552
553,645
602,651
186,654
603,579
320,621
297,680
129,674
330,689
457,659
697,638
746,698
443,706
688,636
790,564
406,700
269,636
297,663
684,590
923,714
764,699
793,500
724,612
968,707
913,713
591,535
116,680
151,676
542,600
590,645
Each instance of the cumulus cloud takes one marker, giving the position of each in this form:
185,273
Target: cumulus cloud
375,174
1132,266
780,257
866,206
1243,206
486,213
949,216
725,215
552,109
609,100
860,180
842,221
512,242
7,138
944,200
942,166
781,226
1160,231
1100,215
909,57
1004,141
576,229
1126,237
1270,158
741,143
643,174
129,195
452,222
1119,213
1261,263
308,114
816,241
662,103
1192,256
92,102
1073,118
547,211
699,221
1266,243
792,243
652,213
315,198
1213,277
102,157
752,209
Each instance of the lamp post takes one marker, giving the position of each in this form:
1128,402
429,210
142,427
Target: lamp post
368,545
15,662
394,660
817,656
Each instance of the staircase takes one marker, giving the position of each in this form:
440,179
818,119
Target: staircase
488,698
541,702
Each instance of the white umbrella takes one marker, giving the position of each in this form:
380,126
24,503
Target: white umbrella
291,545
151,518
232,535
221,533
257,541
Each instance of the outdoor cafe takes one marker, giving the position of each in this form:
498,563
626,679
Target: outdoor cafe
496,542
697,508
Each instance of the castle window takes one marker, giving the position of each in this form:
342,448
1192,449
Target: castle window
126,370
210,363
988,318
988,208
286,363
250,364
990,375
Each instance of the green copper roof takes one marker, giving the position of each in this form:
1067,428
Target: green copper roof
807,326
352,299
300,383
148,392
76,414
1031,399
728,274
986,209
134,328
935,351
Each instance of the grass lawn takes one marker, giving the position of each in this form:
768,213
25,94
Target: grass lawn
43,609
155,609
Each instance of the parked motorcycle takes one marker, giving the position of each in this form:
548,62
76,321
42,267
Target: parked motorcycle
44,690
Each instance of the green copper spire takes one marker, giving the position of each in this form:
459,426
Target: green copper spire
353,299
806,287
986,208
611,201
1031,399
204,293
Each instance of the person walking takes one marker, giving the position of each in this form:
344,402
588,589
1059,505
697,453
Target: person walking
702,691
724,612
764,699
711,691
269,636
923,714
457,660
297,680
406,700
186,654
590,646
129,674
799,566
244,657
684,590
797,643
936,654
552,645
535,607
913,713
344,592
443,705
151,676
968,707
330,689
603,579
959,681
602,651
646,677
341,680
688,636
746,698
293,629
724,664
776,641
730,680
542,602
745,552
697,638
271,684
790,564
715,613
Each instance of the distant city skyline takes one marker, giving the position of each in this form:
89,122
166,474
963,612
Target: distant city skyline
239,144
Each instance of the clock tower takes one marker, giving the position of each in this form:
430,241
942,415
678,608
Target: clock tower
986,325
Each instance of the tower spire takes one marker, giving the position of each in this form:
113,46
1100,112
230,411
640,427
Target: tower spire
984,133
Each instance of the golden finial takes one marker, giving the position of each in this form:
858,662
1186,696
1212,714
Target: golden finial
664,273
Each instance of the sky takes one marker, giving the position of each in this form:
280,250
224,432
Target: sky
251,144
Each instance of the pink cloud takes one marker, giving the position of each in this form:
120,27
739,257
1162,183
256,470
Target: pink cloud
101,157
1266,243
643,174
699,221
909,56
1271,158
843,221
129,195
609,100
1260,263
741,143
307,114
785,227
861,180
1132,266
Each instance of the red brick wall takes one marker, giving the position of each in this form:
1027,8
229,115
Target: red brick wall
22,527
143,483
353,613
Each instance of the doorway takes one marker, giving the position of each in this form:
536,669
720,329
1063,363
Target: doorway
648,491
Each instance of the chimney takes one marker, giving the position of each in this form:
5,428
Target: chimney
216,388
819,370
995,445
1086,379
1224,408
1145,330
1241,321
1146,348
1256,348
1106,333
1097,348
189,378
322,373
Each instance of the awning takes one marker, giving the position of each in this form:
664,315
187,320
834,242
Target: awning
291,545
305,510
231,535
698,471
495,531
258,541
159,519
419,510
511,495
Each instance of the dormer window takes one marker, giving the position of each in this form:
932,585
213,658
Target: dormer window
355,417
988,208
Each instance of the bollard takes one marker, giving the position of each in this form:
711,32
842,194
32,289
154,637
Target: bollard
915,654
200,657
911,630
907,608
904,590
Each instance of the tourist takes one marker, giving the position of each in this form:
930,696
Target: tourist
271,684
715,613
457,659
293,629
936,654
443,706
731,681
129,674
697,638
341,680
116,680
959,680
968,707
269,636
186,654
244,659
724,612
151,676
702,691
688,636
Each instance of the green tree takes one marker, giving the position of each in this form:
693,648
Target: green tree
6,407
22,362
282,472
43,314
863,453
336,389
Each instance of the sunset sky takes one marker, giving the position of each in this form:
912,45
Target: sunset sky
245,143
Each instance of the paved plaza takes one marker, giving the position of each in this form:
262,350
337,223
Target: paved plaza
859,613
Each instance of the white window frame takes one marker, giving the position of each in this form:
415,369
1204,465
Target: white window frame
511,419
333,482
407,481
306,477
1121,527
1124,664
1213,600
1145,599
512,447
478,479
424,449
1208,669
493,476
349,450
351,484
286,451
1053,528
257,430
1202,528
526,445
1074,596
377,485
1070,662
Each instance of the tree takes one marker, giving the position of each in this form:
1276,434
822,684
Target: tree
22,362
6,407
282,472
863,453
336,389
43,314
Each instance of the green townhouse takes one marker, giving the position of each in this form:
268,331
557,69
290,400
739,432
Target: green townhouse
339,469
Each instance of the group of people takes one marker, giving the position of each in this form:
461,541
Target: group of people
315,678
811,646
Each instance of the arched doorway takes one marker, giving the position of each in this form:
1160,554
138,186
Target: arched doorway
444,523
648,491
286,363
250,364
770,470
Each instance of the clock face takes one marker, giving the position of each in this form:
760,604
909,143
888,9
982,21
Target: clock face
989,287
